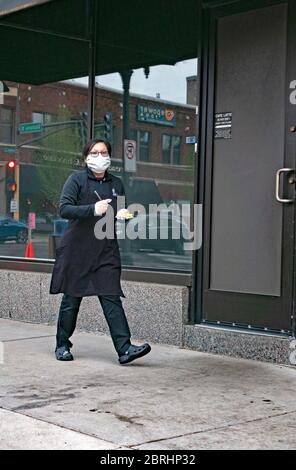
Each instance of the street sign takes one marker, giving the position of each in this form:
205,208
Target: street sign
9,150
130,151
30,127
190,139
13,205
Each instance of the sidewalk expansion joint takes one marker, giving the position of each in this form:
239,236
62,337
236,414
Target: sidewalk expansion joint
215,428
24,339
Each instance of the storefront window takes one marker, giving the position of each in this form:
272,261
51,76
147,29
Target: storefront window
52,130
161,119
51,120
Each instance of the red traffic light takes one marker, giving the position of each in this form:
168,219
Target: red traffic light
11,164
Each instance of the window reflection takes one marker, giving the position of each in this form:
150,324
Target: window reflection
161,120
143,140
52,123
6,125
171,149
48,146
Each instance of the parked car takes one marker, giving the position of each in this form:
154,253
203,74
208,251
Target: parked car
45,222
11,229
42,225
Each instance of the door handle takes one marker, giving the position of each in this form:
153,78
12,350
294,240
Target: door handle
277,184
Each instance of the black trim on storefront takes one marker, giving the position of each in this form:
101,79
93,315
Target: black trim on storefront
195,311
291,120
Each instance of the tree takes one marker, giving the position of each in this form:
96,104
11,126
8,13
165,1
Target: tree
59,154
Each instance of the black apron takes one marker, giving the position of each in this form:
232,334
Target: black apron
84,265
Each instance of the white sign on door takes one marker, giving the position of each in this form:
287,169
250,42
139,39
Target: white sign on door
293,94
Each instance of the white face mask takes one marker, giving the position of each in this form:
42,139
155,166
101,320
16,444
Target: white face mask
99,163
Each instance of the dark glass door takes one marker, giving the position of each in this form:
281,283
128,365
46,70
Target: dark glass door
249,207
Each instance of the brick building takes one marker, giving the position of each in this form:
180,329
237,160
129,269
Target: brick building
160,128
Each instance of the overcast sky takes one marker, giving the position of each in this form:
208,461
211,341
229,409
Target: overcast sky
169,81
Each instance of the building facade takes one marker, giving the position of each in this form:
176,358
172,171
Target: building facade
220,135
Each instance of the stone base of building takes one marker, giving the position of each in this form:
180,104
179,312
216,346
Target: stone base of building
240,343
155,312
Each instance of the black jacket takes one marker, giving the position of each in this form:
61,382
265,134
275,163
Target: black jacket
86,265
75,187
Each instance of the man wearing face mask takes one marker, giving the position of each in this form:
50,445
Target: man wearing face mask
86,265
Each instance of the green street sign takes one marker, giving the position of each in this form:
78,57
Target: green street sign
9,150
30,127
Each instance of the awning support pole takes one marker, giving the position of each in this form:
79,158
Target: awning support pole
92,29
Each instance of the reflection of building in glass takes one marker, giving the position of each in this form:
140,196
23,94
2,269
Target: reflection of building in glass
160,128
192,87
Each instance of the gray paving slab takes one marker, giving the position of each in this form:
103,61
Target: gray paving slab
276,433
19,432
14,330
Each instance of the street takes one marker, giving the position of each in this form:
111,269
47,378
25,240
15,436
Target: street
40,243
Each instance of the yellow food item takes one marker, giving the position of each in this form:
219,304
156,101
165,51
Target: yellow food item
124,214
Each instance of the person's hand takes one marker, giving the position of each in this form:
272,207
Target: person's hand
102,206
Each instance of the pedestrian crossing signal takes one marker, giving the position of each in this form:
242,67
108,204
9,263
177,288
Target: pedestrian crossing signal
12,187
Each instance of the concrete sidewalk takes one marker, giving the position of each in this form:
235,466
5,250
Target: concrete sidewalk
171,399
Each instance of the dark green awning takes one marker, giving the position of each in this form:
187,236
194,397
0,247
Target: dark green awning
48,41
10,6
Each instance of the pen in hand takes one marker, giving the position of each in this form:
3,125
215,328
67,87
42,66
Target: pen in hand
98,196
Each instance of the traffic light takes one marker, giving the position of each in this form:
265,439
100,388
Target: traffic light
108,127
84,127
11,164
10,177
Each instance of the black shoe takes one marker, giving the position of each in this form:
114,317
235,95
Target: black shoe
63,354
134,352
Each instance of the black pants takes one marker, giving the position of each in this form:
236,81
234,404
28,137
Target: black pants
114,314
